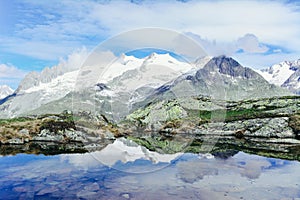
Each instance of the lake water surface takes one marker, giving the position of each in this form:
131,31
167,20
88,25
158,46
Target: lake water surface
132,172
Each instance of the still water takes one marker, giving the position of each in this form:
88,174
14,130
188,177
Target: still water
122,171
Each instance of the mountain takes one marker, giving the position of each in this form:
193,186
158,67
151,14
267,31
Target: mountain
284,74
136,84
154,71
222,78
33,97
293,82
123,76
114,98
129,82
5,91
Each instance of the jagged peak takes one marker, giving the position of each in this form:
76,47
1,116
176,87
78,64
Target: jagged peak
222,59
229,66
69,64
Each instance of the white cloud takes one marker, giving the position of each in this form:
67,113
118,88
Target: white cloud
44,50
214,48
250,44
52,30
255,54
273,22
9,71
10,75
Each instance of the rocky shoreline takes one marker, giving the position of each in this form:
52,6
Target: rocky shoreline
274,124
59,131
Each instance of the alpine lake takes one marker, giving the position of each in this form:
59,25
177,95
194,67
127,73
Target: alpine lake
123,169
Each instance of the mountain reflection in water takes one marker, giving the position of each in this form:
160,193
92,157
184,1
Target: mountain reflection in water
127,171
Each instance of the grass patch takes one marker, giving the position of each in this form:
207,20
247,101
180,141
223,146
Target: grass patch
14,120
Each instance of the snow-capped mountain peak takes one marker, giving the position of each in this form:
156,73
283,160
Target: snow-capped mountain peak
293,82
119,66
56,82
285,74
151,71
5,91
279,73
168,61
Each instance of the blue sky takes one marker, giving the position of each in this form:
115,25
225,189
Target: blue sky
36,34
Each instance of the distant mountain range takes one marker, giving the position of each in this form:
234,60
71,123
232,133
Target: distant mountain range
285,74
132,82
